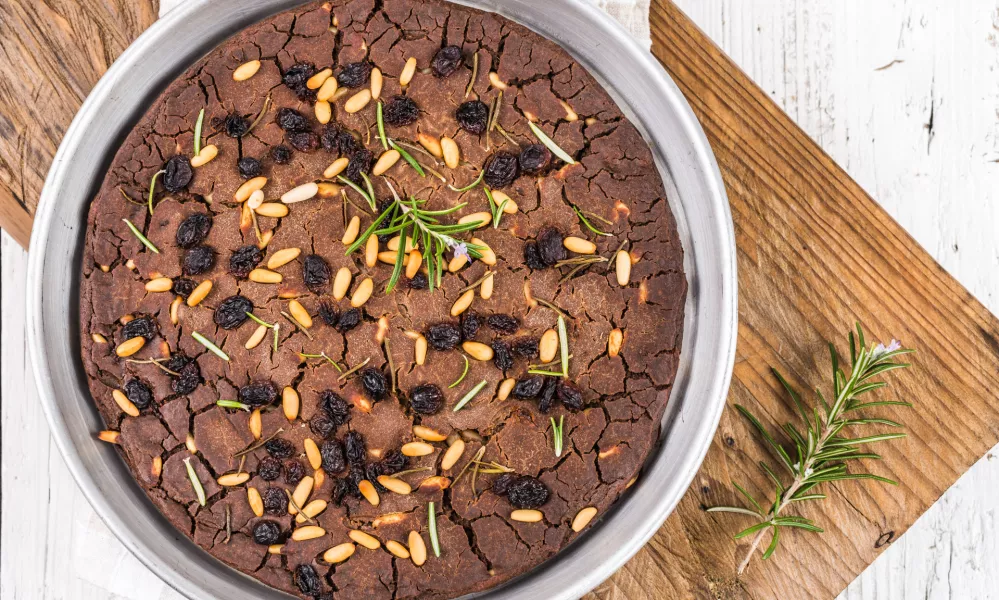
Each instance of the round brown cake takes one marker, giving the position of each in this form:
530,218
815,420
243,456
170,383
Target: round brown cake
382,299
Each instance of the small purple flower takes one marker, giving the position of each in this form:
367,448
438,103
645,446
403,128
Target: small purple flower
881,349
461,250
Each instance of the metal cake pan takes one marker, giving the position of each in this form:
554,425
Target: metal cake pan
645,93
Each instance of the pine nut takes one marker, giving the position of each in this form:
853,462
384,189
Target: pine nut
415,260
255,199
495,81
510,208
126,405
300,193
256,338
371,251
207,154
362,293
160,284
408,71
264,276
388,257
324,112
126,319
388,519
282,257
272,209
130,346
579,245
327,90
425,433
301,315
434,483
420,350
309,532
100,339
393,243
570,115
452,156
453,454
336,167
583,518
383,325
526,515
352,230
394,484
316,81
327,189
256,424
614,341
548,346
291,403
192,447
505,388
486,289
275,548
246,70
397,549
484,219
110,437
417,449
462,303
431,144
478,351
417,549
456,263
265,238
311,449
233,479
255,501
311,510
357,101
249,186
376,83
369,492
174,310
320,477
623,267
365,539
199,293
301,494
488,256
531,302
157,466
339,553
341,283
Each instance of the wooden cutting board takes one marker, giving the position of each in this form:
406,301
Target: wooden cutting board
815,255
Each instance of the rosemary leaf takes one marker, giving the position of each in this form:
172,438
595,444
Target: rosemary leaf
471,394
463,373
547,141
589,225
195,482
557,432
152,189
432,526
145,241
371,189
406,156
478,180
210,345
233,404
359,190
197,132
381,126
563,339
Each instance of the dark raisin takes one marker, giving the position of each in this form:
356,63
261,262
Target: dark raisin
294,471
297,77
356,449
526,389
354,478
243,260
140,327
354,75
374,383
350,319
525,347
532,258
189,379
446,61
182,286
371,473
281,154
275,499
316,273
269,468
503,324
258,393
360,162
249,167
470,324
138,393
177,173
570,396
426,399
335,407
231,312
502,355
236,126
550,247
176,362
401,110
393,462
547,400
340,489
527,492
280,448
303,141
193,230
443,336
290,119
472,116
534,158
322,425
332,456
501,169
198,260
329,312
419,281
266,533
346,143
307,580
501,485
328,136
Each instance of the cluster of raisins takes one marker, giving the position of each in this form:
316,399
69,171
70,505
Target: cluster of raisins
143,326
354,75
315,273
297,77
522,491
243,260
400,111
188,374
547,391
545,250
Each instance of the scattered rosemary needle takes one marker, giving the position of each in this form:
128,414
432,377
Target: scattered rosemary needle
406,156
233,404
324,356
544,372
153,361
381,126
478,180
547,141
432,526
497,211
195,482
563,340
475,74
145,241
211,346
197,132
589,225
371,189
353,370
463,373
557,432
295,322
471,394
359,190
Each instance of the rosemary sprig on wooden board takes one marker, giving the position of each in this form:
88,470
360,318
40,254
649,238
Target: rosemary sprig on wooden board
821,450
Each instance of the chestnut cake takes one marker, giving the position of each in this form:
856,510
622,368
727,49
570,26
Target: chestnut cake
382,299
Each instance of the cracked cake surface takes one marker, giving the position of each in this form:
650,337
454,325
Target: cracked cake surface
294,408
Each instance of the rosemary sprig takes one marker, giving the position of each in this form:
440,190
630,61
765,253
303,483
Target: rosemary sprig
471,394
275,326
547,141
496,210
370,200
195,482
821,451
557,432
432,526
233,404
152,189
197,132
145,241
563,341
463,373
478,180
207,343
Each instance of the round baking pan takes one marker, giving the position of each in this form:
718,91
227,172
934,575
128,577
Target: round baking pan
694,187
